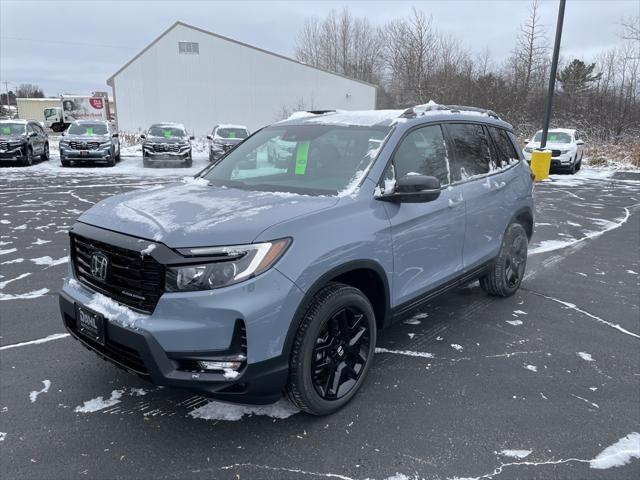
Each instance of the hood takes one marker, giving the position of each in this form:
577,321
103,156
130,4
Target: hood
167,140
551,145
228,141
13,138
194,214
85,138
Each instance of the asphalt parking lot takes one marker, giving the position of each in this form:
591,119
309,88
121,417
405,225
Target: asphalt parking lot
541,385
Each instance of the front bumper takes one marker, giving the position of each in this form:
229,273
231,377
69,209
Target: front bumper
165,345
85,155
12,155
561,162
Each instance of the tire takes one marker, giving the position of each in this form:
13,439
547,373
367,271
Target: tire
112,161
45,154
572,169
28,161
502,280
65,163
337,315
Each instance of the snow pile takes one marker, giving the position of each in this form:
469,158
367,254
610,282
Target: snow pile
49,262
407,353
618,454
232,412
114,311
585,356
99,403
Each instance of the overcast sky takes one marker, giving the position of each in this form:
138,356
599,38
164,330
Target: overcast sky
74,46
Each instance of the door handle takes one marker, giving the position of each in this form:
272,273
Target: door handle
454,202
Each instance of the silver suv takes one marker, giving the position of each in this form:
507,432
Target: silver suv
255,280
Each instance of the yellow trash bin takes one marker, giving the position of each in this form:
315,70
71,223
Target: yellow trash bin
541,164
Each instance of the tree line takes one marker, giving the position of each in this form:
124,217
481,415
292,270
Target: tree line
412,61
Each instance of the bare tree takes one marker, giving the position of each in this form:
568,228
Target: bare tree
29,90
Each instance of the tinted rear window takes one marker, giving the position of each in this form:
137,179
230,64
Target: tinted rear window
471,150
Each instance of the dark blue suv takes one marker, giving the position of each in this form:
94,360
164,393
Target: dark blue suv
257,278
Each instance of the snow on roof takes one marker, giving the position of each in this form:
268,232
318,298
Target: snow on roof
169,124
560,130
364,118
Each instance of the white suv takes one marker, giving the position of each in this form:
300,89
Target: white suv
566,147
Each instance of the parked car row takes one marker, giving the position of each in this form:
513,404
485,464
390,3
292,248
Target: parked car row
22,142
566,145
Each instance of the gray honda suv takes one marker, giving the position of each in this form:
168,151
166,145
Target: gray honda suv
253,280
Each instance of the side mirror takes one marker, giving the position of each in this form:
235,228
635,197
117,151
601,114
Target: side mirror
191,137
63,134
414,189
579,142
209,137
115,135
143,136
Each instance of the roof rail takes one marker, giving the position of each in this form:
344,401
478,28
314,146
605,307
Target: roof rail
419,110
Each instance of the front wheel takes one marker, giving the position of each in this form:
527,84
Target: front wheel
333,350
28,160
506,274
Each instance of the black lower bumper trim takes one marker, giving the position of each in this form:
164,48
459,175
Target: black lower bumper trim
139,353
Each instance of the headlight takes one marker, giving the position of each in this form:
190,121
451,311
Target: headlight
563,151
224,265
105,144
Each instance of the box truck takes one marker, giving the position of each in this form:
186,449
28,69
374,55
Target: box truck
76,107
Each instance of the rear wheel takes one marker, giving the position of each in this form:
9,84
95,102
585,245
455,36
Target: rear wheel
333,350
506,274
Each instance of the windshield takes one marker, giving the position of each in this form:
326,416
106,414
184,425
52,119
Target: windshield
11,129
232,133
554,137
308,159
88,129
166,131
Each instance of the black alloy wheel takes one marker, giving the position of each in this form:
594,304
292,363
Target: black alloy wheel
516,261
341,353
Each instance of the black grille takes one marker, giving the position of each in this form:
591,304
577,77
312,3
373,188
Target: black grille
166,147
84,145
555,153
114,351
132,279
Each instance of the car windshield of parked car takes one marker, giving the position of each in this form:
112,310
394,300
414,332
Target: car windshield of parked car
309,159
554,137
232,133
88,129
11,129
167,131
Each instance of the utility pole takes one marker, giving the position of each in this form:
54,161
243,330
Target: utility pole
6,87
552,78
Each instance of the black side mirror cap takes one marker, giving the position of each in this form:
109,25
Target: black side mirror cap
209,137
414,189
143,136
115,135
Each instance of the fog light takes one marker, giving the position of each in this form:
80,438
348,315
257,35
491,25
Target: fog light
216,365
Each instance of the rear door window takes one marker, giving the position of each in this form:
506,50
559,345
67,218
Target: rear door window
423,152
471,148
506,153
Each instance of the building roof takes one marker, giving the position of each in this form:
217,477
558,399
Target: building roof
179,23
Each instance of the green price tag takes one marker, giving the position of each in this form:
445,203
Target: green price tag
6,130
167,134
553,138
301,158
232,135
89,130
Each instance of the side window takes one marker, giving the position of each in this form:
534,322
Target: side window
423,152
505,152
471,150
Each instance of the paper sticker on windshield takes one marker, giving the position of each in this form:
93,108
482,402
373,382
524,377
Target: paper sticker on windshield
232,135
167,134
552,137
301,158
6,130
89,130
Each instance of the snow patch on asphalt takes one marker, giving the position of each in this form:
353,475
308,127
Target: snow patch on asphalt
515,453
618,454
585,356
24,296
3,435
457,347
515,323
533,368
49,262
55,336
99,403
232,412
407,353
33,396
7,282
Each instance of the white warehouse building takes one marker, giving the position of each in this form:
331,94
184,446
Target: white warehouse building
198,78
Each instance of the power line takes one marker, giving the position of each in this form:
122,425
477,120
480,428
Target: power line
67,43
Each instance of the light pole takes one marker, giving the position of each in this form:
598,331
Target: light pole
541,158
